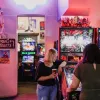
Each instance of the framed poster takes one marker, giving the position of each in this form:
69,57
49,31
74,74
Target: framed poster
42,25
42,35
26,24
4,56
32,22
21,25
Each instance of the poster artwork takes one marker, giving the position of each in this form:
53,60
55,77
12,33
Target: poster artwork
2,29
31,25
42,25
42,35
4,56
21,25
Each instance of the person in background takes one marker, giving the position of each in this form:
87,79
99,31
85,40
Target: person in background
20,70
88,73
36,61
46,79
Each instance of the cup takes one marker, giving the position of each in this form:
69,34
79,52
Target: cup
54,71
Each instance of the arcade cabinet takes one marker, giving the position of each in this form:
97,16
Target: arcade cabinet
56,45
27,54
41,51
71,45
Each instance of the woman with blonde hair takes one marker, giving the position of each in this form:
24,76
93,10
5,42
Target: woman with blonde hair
46,76
46,87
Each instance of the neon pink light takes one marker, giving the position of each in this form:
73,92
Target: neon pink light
30,4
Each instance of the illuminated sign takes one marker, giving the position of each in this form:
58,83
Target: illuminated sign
7,43
28,53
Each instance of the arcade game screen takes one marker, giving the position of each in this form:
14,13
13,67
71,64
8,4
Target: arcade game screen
28,46
74,40
74,58
28,59
41,49
56,45
71,58
69,75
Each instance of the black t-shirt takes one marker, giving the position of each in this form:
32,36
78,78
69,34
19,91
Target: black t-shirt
57,63
45,71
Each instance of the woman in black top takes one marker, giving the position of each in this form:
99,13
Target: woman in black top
88,73
46,87
47,83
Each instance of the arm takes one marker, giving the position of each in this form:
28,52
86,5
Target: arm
43,78
63,64
76,79
74,85
40,76
59,70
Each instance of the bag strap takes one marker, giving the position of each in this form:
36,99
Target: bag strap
94,65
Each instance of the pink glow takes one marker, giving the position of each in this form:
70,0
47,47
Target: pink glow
19,2
8,72
77,11
30,4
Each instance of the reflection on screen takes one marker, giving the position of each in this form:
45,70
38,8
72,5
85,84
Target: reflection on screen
69,79
74,40
69,76
28,46
41,49
28,59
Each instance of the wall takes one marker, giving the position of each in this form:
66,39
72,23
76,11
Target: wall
77,3
94,14
92,5
62,7
23,24
8,72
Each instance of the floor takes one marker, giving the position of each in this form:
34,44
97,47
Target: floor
26,91
30,96
27,87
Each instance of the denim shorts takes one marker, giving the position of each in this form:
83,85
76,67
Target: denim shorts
46,92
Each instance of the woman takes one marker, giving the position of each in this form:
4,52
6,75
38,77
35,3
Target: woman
88,73
46,87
